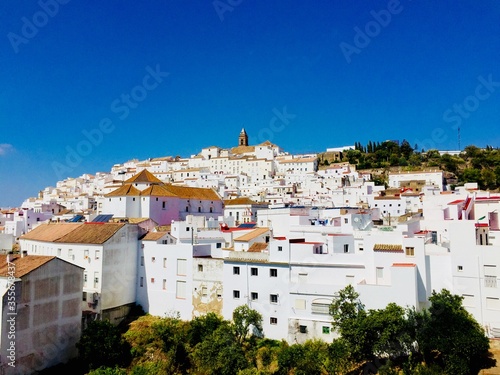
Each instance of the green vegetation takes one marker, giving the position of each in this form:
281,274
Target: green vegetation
472,165
444,339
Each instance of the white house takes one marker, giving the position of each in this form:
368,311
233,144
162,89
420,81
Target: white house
107,252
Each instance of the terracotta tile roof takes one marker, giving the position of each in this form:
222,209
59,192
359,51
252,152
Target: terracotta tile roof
186,192
157,191
257,247
92,233
253,234
23,265
153,236
143,176
50,232
242,149
125,190
388,248
240,200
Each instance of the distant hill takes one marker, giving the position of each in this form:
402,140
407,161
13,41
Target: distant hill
473,164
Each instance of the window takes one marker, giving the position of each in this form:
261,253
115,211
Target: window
142,261
164,284
254,271
180,289
85,254
361,248
187,209
460,268
346,248
320,308
410,251
97,254
152,280
280,248
200,267
346,221
96,279
84,296
302,278
70,254
380,272
468,300
181,267
236,270
218,245
163,205
141,282
85,279
204,291
273,321
273,272
236,294
199,209
164,262
58,252
219,293
273,298
303,329
255,296
326,330
153,259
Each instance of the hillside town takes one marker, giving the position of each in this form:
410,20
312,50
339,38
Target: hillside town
249,225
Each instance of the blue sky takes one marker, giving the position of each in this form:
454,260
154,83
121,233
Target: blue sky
86,84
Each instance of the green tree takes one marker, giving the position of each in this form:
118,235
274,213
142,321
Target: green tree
108,371
245,318
449,336
219,354
101,344
203,326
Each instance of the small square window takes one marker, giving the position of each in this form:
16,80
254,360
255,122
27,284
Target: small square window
280,248
273,298
273,320
326,330
218,245
236,270
254,271
273,272
236,294
153,259
303,329
460,268
255,296
152,280
200,267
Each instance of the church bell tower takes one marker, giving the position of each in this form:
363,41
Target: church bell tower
243,138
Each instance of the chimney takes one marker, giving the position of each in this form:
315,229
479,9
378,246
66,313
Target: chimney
24,253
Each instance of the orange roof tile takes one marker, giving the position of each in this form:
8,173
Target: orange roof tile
125,190
257,247
388,248
153,236
92,233
144,176
186,192
50,232
22,265
253,234
157,191
240,200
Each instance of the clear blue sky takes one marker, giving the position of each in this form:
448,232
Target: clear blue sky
418,70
